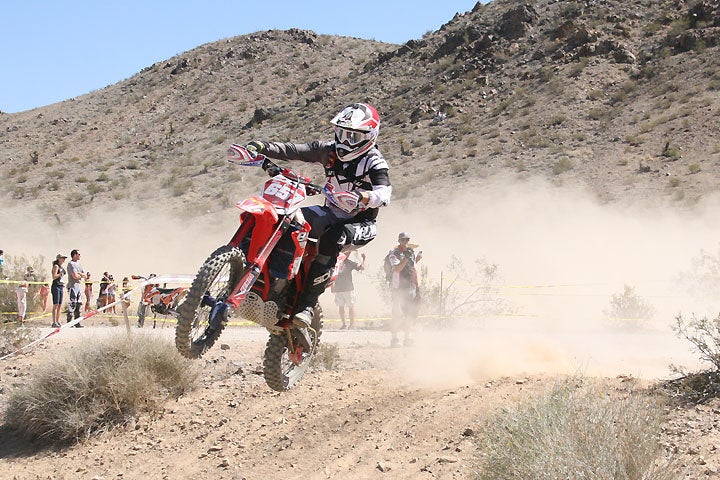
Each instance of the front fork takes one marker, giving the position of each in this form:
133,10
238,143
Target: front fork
219,312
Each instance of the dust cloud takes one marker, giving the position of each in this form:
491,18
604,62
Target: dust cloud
561,255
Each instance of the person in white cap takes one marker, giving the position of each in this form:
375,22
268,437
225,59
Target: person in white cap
404,289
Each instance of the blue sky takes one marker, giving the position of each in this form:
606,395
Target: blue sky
52,50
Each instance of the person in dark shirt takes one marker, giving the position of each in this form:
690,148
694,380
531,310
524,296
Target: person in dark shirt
404,289
344,290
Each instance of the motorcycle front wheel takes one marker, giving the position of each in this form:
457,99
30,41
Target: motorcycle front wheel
280,372
216,278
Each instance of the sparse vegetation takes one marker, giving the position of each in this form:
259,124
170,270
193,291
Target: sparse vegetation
576,430
13,337
562,165
97,386
697,387
327,356
671,152
629,307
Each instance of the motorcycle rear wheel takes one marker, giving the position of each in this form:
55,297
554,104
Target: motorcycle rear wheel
217,277
282,374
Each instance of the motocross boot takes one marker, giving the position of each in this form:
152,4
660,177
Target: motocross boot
315,283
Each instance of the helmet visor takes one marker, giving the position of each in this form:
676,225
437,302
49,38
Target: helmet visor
351,137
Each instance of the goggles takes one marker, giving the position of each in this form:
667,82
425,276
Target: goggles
351,137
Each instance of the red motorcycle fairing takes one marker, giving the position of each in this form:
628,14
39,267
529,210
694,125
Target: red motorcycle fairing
259,222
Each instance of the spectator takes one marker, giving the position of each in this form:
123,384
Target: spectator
88,291
44,291
125,289
30,274
102,295
2,262
110,293
21,292
58,272
75,275
344,290
31,278
404,289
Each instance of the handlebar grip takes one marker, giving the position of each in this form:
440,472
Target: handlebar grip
312,189
270,167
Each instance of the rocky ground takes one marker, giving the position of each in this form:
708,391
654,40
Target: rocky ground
413,412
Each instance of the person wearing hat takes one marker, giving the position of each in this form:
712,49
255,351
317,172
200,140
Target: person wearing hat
404,289
56,287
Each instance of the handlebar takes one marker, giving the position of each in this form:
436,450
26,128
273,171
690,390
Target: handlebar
274,170
250,158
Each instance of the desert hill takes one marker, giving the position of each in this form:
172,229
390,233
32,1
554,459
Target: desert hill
620,96
616,98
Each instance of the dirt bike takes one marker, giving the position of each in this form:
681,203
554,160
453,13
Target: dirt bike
159,301
260,273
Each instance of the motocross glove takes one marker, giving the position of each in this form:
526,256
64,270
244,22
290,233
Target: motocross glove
271,168
255,147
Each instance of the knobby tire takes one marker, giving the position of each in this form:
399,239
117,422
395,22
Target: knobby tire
217,276
280,373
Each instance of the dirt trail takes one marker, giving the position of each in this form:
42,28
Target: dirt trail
383,413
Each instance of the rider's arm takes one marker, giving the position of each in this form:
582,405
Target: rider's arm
313,152
377,171
381,191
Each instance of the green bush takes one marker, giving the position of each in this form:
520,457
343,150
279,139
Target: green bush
96,386
576,432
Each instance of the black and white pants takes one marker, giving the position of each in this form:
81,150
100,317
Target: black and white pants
74,303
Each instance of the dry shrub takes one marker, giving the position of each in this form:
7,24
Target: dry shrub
327,356
96,386
13,337
697,387
577,432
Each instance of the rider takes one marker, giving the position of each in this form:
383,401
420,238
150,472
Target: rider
358,174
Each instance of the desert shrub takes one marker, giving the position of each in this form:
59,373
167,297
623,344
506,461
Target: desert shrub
577,68
697,387
562,165
702,279
629,306
671,152
694,168
597,113
470,290
13,337
327,356
96,386
14,269
576,431
704,334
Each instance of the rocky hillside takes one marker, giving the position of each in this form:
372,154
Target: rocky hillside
621,96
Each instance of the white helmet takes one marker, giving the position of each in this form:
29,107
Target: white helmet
356,130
